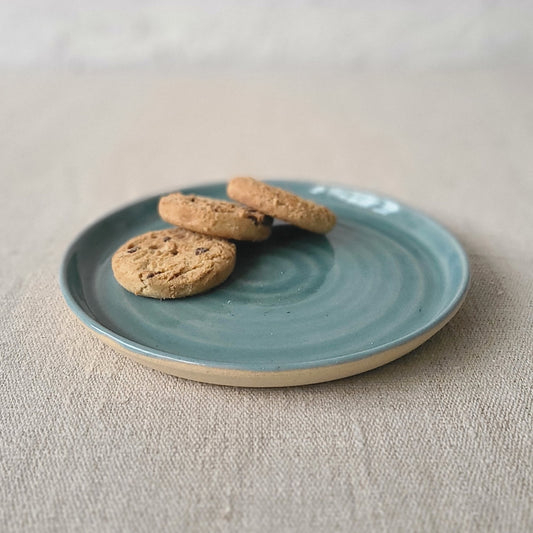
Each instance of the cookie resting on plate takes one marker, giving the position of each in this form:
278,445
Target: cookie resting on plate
173,263
214,217
282,204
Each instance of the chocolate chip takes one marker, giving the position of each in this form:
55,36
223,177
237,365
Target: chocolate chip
165,239
259,218
201,250
254,218
131,250
147,274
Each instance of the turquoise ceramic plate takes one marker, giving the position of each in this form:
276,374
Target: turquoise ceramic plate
299,308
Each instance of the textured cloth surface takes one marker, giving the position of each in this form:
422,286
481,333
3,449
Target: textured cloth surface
439,440
348,34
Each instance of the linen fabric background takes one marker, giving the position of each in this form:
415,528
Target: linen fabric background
439,440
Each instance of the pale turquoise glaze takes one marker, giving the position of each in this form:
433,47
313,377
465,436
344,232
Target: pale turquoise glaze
383,276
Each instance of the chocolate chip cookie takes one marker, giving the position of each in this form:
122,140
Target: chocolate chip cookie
282,204
173,263
214,217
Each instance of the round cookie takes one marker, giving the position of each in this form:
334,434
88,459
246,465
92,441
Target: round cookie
214,217
282,204
173,263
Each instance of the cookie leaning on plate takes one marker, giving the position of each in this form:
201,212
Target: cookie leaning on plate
214,217
173,263
282,204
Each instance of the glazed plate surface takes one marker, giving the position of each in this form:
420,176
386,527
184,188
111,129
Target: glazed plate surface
299,308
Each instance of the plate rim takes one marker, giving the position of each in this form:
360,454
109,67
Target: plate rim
139,351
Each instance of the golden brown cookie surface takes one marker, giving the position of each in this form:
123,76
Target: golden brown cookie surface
282,204
173,263
214,217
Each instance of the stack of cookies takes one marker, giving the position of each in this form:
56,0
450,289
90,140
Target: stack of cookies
197,254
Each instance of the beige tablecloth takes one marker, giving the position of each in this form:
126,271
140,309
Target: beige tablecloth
439,440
